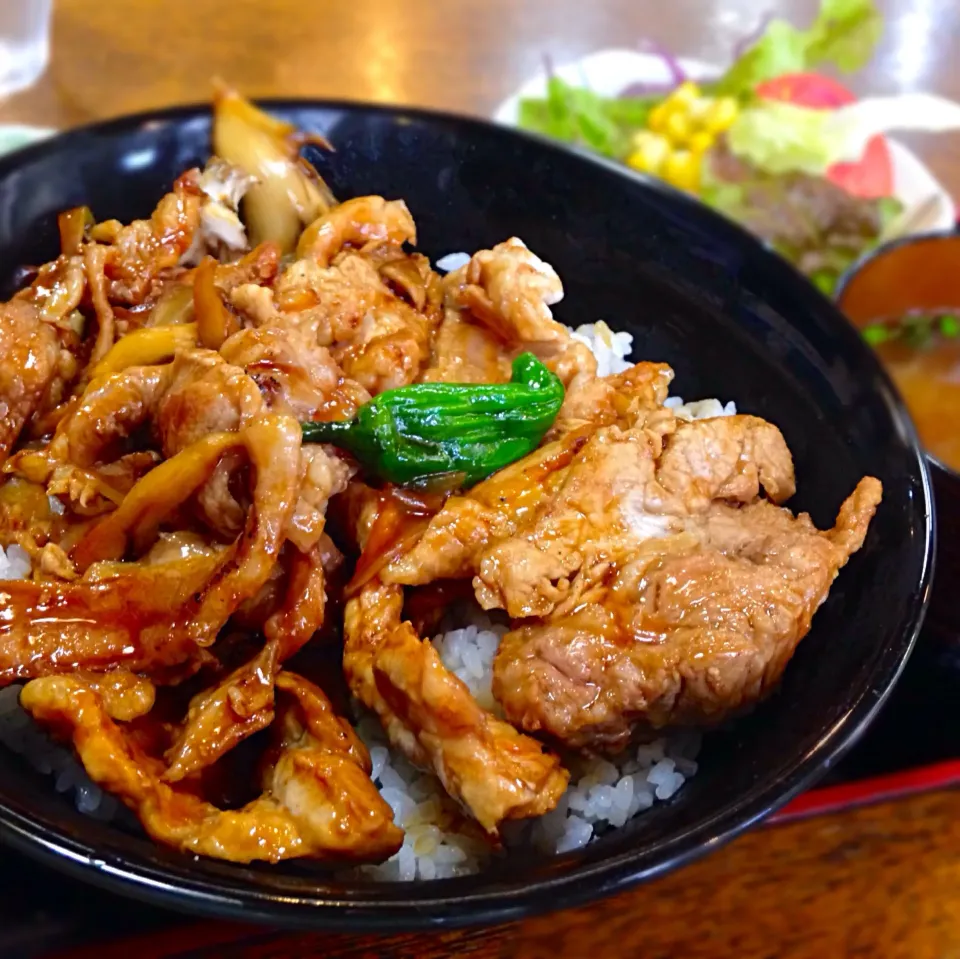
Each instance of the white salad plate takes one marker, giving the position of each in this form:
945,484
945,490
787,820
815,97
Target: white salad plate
16,135
926,204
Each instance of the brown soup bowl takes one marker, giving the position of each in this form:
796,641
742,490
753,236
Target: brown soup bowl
918,274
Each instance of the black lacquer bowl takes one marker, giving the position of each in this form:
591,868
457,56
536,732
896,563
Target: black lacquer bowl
734,321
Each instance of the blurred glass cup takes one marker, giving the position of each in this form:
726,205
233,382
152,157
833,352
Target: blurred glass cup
24,43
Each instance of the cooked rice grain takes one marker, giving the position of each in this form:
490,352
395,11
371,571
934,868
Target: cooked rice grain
603,793
14,563
21,735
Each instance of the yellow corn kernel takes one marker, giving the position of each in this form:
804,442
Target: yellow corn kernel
645,139
685,94
641,163
682,170
701,142
697,110
650,150
720,115
678,128
657,118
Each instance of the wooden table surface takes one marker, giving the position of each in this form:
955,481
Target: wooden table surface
875,882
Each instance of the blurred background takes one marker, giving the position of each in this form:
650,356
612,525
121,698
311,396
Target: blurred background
117,56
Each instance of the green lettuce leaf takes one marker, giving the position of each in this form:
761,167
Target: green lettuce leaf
532,114
778,137
581,116
844,34
577,115
630,112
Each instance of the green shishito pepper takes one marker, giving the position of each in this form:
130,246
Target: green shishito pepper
414,432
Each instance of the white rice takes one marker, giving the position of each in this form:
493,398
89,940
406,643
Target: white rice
611,349
468,652
603,794
14,563
439,841
452,261
21,735
700,409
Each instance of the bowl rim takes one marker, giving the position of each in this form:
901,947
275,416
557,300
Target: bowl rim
888,247
427,905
